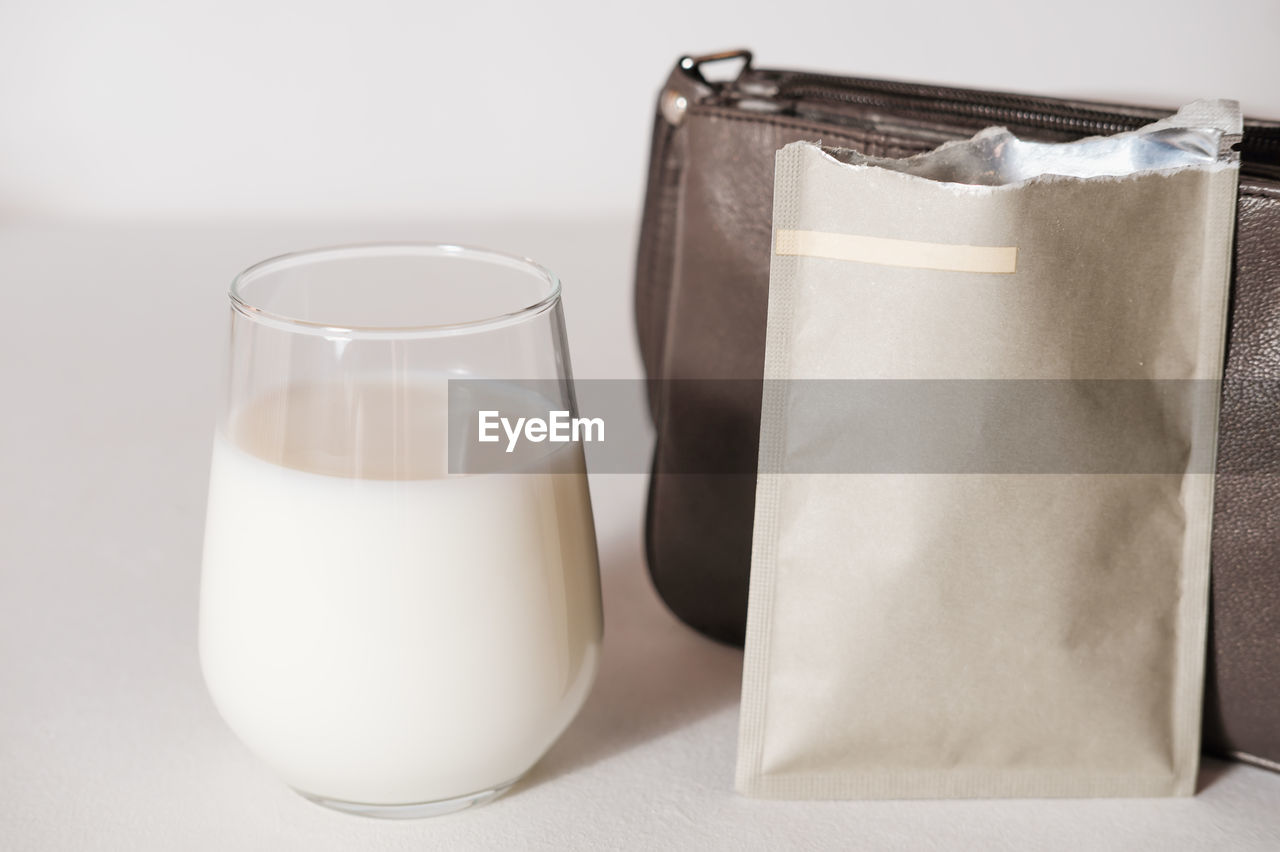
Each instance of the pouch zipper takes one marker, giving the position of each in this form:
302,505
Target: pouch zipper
986,108
1260,145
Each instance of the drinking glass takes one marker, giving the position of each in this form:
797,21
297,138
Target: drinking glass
391,636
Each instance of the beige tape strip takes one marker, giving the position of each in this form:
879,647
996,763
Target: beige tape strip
909,253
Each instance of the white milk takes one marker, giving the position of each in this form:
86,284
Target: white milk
402,637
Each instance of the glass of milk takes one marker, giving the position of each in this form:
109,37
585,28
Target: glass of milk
393,638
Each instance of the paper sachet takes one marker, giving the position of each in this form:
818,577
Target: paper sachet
981,545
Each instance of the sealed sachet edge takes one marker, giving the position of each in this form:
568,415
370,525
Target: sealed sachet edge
772,440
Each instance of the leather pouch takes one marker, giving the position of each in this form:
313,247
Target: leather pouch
701,303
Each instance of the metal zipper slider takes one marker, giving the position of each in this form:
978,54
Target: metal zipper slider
692,65
688,82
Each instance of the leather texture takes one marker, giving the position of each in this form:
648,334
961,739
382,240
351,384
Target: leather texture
702,281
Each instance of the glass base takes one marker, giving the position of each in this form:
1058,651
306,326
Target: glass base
416,810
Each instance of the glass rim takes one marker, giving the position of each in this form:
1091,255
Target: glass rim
245,307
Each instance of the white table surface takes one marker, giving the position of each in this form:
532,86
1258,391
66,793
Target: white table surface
110,346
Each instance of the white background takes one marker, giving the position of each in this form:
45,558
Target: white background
150,150
146,109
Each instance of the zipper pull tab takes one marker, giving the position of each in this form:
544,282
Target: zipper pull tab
692,65
687,82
